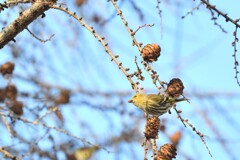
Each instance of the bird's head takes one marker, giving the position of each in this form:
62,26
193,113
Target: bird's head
135,98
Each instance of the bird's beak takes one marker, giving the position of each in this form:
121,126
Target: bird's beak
130,101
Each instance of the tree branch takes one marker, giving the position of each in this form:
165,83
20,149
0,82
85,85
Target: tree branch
23,20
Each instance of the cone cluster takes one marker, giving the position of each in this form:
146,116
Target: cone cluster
8,95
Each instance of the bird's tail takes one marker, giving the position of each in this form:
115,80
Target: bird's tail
182,99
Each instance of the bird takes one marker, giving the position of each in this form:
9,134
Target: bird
154,104
85,153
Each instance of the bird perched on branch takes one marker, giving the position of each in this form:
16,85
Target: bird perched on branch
154,104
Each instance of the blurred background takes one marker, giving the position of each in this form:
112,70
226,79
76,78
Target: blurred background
78,98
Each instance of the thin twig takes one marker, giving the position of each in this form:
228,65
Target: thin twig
179,116
7,125
6,154
200,135
148,67
213,7
145,25
193,9
56,129
160,15
41,40
236,64
101,40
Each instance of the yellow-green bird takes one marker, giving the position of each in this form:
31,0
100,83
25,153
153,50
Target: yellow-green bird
85,153
153,103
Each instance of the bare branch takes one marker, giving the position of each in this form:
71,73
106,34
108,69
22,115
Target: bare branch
212,7
23,20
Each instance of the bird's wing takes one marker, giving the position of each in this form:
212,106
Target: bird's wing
157,98
155,104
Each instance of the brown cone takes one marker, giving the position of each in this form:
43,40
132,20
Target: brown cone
79,2
151,52
7,68
17,108
166,152
63,97
11,92
2,95
152,128
175,88
176,137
